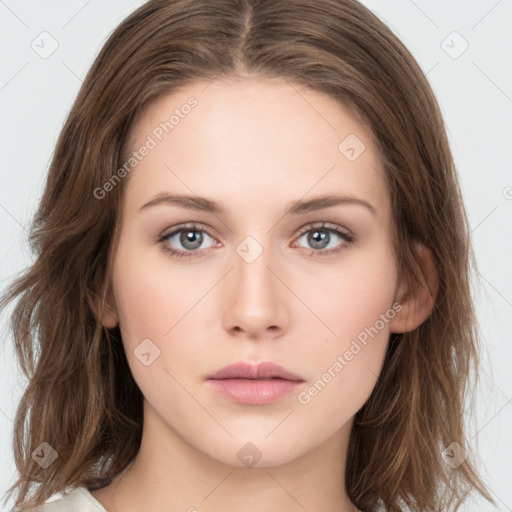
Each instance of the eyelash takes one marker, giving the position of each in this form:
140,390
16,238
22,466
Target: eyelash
347,237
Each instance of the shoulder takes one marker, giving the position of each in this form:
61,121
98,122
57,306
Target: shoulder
78,500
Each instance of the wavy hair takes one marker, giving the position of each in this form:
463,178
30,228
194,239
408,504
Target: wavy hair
81,397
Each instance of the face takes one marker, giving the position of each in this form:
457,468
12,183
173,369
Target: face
254,266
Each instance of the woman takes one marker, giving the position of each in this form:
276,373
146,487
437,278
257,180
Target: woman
252,275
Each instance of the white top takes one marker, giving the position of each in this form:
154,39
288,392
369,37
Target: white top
79,500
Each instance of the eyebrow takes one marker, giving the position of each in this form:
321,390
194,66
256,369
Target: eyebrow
203,204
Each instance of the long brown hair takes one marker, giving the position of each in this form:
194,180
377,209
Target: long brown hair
81,398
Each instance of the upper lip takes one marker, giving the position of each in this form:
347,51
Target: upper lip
265,370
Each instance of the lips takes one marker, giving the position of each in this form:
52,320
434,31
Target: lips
262,371
261,384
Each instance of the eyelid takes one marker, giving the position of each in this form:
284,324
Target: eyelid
180,254
196,226
340,231
327,226
193,226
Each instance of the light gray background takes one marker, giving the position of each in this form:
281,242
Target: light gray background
475,94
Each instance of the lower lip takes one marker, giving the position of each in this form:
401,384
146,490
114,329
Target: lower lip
254,392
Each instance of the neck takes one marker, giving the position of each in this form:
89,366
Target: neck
169,474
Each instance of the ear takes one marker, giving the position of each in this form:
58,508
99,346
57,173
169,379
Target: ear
110,317
417,301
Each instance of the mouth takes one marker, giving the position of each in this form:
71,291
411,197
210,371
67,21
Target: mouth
249,384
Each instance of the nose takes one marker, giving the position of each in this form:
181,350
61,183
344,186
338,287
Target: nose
255,296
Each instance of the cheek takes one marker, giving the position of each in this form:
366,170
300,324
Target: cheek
355,306
155,309
150,300
154,313
350,296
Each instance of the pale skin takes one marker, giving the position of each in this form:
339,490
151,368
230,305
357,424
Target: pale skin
254,146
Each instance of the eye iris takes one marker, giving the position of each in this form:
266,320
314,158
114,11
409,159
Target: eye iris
318,237
191,236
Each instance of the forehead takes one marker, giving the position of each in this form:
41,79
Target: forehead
255,141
